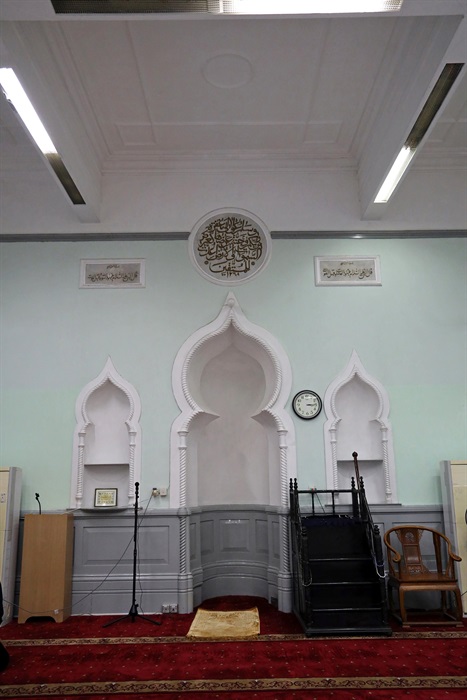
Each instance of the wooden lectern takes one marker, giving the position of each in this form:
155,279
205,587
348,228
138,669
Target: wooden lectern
46,567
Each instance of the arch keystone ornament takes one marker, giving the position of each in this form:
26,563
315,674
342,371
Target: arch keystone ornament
229,246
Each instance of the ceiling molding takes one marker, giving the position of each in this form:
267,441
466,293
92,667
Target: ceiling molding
182,236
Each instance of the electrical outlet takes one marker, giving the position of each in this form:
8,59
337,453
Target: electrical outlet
165,608
155,491
173,608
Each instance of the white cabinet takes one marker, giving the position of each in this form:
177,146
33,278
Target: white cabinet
10,502
454,491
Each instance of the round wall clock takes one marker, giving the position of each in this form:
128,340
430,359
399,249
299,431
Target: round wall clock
307,404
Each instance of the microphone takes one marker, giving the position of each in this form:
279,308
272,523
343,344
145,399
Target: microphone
37,499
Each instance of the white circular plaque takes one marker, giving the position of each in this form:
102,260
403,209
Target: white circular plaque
229,246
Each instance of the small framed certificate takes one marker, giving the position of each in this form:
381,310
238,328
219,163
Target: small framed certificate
105,498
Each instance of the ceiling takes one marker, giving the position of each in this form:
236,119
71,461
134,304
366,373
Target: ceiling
127,93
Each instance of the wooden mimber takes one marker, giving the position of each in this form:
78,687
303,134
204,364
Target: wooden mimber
46,567
409,572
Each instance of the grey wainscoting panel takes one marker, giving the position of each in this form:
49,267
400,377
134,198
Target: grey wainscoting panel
262,536
233,550
103,561
207,529
235,536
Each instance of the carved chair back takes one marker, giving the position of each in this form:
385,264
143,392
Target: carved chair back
406,559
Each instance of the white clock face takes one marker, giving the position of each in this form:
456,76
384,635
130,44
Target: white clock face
307,404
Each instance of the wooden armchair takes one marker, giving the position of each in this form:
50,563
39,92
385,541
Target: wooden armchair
408,570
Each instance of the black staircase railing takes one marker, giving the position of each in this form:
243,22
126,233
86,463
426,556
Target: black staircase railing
344,508
372,531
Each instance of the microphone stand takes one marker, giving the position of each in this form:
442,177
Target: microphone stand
133,613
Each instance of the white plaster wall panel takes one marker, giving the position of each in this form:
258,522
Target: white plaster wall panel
459,489
358,430
372,473
232,453
107,435
454,492
228,326
107,414
357,411
233,380
111,475
233,449
317,200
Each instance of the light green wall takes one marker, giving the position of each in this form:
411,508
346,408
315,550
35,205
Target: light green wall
410,334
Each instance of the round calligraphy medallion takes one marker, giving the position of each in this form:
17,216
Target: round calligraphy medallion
229,247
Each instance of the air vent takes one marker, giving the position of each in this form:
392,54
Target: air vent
115,7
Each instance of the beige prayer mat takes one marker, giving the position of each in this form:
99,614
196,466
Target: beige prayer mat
211,624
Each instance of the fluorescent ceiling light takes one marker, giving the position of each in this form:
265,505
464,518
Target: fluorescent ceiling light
21,103
247,7
285,7
15,94
394,176
423,122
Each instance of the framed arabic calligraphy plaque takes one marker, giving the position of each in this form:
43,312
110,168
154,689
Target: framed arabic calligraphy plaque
112,273
229,247
342,271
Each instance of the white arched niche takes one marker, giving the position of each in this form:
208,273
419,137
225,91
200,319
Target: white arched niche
107,440
233,442
357,412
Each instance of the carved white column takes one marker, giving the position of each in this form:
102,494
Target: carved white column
333,441
284,583
387,473
79,484
182,447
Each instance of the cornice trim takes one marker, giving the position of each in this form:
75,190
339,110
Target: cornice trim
182,236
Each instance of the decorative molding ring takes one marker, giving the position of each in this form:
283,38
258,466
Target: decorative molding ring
229,246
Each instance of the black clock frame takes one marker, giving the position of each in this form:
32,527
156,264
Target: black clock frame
307,391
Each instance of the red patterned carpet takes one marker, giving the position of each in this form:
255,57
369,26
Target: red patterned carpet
80,658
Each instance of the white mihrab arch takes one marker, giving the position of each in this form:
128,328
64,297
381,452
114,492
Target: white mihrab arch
107,439
231,335
357,410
